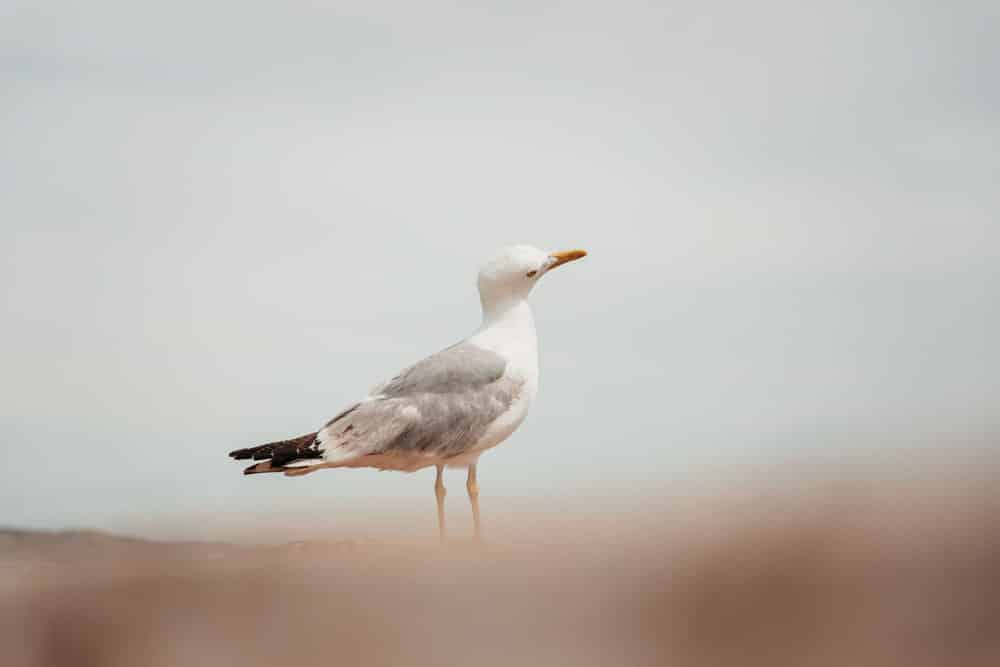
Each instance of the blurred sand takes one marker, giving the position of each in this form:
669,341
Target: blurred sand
859,574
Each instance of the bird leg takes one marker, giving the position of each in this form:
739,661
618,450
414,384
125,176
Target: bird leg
439,493
472,486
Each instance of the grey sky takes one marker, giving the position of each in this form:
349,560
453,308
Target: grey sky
221,224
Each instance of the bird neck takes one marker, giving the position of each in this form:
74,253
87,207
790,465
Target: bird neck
512,313
509,329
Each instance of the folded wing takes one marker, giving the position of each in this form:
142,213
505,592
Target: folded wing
434,410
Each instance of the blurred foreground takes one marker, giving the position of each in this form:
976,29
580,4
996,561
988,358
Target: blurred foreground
862,574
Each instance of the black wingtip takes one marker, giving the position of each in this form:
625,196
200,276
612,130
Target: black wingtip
241,453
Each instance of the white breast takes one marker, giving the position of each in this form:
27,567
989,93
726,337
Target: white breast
512,336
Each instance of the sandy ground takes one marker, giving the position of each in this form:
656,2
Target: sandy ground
901,574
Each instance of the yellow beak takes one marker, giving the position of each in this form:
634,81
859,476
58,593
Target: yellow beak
564,256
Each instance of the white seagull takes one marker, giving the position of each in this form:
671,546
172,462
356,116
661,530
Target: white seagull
447,409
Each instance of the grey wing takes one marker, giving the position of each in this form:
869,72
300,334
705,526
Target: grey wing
459,368
438,407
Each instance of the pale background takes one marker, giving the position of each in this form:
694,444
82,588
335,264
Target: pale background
221,223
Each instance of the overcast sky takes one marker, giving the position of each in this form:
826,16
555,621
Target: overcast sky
223,222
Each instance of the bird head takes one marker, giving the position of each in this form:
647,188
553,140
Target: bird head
510,274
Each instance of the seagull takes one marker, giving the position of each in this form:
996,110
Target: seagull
447,409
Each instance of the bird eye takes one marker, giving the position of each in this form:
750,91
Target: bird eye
531,274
